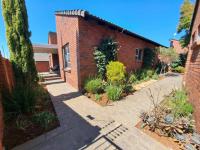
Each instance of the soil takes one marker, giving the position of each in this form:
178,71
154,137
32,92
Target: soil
103,101
14,136
167,141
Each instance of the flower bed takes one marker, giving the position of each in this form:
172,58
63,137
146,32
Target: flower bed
118,84
21,127
171,122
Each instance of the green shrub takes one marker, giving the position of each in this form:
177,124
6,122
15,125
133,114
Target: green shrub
43,119
155,76
41,78
93,85
104,53
127,88
149,73
149,58
97,97
21,100
179,69
115,72
114,92
132,78
179,104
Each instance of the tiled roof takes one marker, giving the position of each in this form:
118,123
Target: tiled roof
86,14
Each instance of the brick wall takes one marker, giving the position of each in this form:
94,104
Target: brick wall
6,74
67,33
91,34
42,66
82,36
192,75
1,123
177,46
6,83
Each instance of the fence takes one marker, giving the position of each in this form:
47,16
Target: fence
6,83
6,74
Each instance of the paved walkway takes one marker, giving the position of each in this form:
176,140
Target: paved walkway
86,125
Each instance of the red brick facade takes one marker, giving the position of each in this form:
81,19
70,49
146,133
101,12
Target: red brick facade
192,77
83,35
42,66
6,83
177,46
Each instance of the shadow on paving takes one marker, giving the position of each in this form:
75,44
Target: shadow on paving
76,132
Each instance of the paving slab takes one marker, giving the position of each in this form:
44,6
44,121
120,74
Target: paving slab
86,125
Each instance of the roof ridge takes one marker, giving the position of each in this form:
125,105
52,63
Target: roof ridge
79,12
84,13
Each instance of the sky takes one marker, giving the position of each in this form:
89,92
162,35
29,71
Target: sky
153,19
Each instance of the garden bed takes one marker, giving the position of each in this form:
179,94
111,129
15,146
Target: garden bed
171,122
27,126
104,92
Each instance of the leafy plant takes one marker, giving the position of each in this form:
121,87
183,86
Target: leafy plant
93,85
127,88
44,119
104,53
40,78
114,92
166,56
22,100
149,58
179,69
132,78
97,97
179,104
185,21
22,123
115,72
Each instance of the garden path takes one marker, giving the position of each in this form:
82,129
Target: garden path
86,125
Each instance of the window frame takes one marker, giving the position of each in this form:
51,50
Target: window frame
66,56
138,54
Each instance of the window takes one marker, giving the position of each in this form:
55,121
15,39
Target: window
66,53
138,54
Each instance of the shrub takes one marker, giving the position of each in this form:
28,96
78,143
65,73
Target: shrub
21,100
93,85
179,69
44,119
114,92
179,104
115,72
127,88
97,97
149,58
132,78
104,53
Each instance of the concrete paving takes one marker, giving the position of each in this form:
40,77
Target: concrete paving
86,125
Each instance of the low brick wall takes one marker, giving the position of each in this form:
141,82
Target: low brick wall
6,83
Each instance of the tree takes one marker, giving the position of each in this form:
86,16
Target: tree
186,13
18,40
166,57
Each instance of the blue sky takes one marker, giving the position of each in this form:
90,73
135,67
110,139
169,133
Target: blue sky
154,19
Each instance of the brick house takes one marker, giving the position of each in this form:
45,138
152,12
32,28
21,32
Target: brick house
192,76
78,32
46,55
177,46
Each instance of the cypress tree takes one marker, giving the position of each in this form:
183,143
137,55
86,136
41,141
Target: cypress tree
18,40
